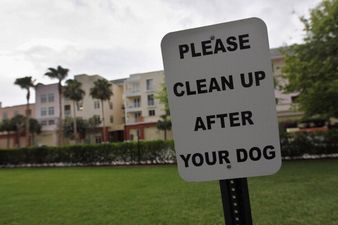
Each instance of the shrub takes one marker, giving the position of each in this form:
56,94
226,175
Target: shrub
128,152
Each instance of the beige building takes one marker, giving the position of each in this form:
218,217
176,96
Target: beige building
89,107
142,109
47,113
286,109
12,139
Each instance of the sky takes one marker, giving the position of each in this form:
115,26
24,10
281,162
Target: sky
115,38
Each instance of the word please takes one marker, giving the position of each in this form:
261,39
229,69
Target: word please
208,47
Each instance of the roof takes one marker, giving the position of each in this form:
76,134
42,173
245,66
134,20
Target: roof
118,81
275,53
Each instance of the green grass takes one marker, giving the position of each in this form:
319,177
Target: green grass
302,193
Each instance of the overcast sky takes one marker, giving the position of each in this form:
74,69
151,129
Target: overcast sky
117,38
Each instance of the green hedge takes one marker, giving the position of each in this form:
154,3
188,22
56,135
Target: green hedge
116,153
151,152
302,143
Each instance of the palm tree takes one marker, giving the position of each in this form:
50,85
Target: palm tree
165,123
102,91
74,92
18,123
60,74
26,83
7,126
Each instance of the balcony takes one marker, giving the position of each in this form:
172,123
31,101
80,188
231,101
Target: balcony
132,93
133,108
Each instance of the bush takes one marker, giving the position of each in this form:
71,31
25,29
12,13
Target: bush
115,153
299,144
152,152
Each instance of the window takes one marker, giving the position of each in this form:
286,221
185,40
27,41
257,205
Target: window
294,99
44,123
96,104
98,139
110,105
43,112
137,117
67,110
137,102
79,105
43,98
151,100
151,112
150,85
4,115
51,97
97,119
51,122
112,119
50,111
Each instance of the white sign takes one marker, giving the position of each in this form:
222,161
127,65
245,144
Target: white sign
222,103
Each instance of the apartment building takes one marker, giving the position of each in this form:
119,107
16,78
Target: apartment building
89,107
11,139
47,113
142,109
286,109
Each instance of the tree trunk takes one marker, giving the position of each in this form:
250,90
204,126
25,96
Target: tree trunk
7,139
60,133
75,124
103,124
165,134
28,139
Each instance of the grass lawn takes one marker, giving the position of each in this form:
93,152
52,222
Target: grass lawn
302,193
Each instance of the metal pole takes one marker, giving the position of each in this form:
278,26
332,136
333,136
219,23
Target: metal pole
236,202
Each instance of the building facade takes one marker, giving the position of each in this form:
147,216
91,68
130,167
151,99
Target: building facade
286,107
142,109
11,139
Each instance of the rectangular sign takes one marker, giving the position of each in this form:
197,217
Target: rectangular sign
221,97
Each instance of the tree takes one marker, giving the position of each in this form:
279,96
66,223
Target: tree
26,83
60,74
18,123
7,126
102,90
311,68
165,123
74,92
68,127
34,128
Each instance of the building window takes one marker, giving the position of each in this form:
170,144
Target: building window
43,111
50,111
110,105
96,104
111,119
43,98
150,84
151,100
51,97
44,123
97,119
79,105
294,99
51,122
67,110
137,117
4,115
137,102
98,139
151,112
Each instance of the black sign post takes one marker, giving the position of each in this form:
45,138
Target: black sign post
236,202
